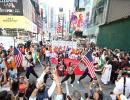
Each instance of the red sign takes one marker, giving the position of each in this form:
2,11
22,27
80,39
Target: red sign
59,28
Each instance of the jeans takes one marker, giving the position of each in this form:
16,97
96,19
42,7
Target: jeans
47,60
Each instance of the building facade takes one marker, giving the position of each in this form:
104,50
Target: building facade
19,16
112,19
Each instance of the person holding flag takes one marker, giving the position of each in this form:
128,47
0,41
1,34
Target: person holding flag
30,66
89,62
86,72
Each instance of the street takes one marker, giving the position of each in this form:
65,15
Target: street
82,87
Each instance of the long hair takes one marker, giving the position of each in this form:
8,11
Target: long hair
70,63
30,89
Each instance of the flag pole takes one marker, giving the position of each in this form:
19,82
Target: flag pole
17,35
14,40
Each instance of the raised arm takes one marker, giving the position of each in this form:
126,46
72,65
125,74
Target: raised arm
35,91
43,74
59,95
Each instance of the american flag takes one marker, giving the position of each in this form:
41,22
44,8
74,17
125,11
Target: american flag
18,57
89,62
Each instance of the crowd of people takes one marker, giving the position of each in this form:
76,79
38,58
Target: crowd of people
114,66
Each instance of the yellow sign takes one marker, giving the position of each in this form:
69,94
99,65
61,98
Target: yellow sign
16,22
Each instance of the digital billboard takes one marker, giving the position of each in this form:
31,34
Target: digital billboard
11,7
77,21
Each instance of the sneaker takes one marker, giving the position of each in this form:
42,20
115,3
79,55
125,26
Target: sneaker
72,85
77,82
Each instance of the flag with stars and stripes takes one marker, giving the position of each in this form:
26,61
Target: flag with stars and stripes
89,62
17,57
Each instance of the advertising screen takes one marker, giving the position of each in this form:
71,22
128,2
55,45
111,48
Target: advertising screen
11,7
77,21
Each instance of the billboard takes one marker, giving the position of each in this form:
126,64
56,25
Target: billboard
11,7
77,21
17,22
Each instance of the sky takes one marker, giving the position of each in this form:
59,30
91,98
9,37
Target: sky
65,4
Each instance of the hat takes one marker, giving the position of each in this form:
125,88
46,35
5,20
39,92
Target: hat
3,94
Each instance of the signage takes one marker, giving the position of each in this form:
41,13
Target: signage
20,22
77,21
11,7
70,44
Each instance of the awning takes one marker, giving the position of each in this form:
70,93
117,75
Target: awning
19,22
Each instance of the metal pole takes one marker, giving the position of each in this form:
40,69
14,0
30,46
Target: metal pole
14,40
17,36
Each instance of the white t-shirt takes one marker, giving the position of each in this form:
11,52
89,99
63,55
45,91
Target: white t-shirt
119,86
47,53
5,87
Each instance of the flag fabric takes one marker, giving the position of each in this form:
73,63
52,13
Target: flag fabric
89,62
18,57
